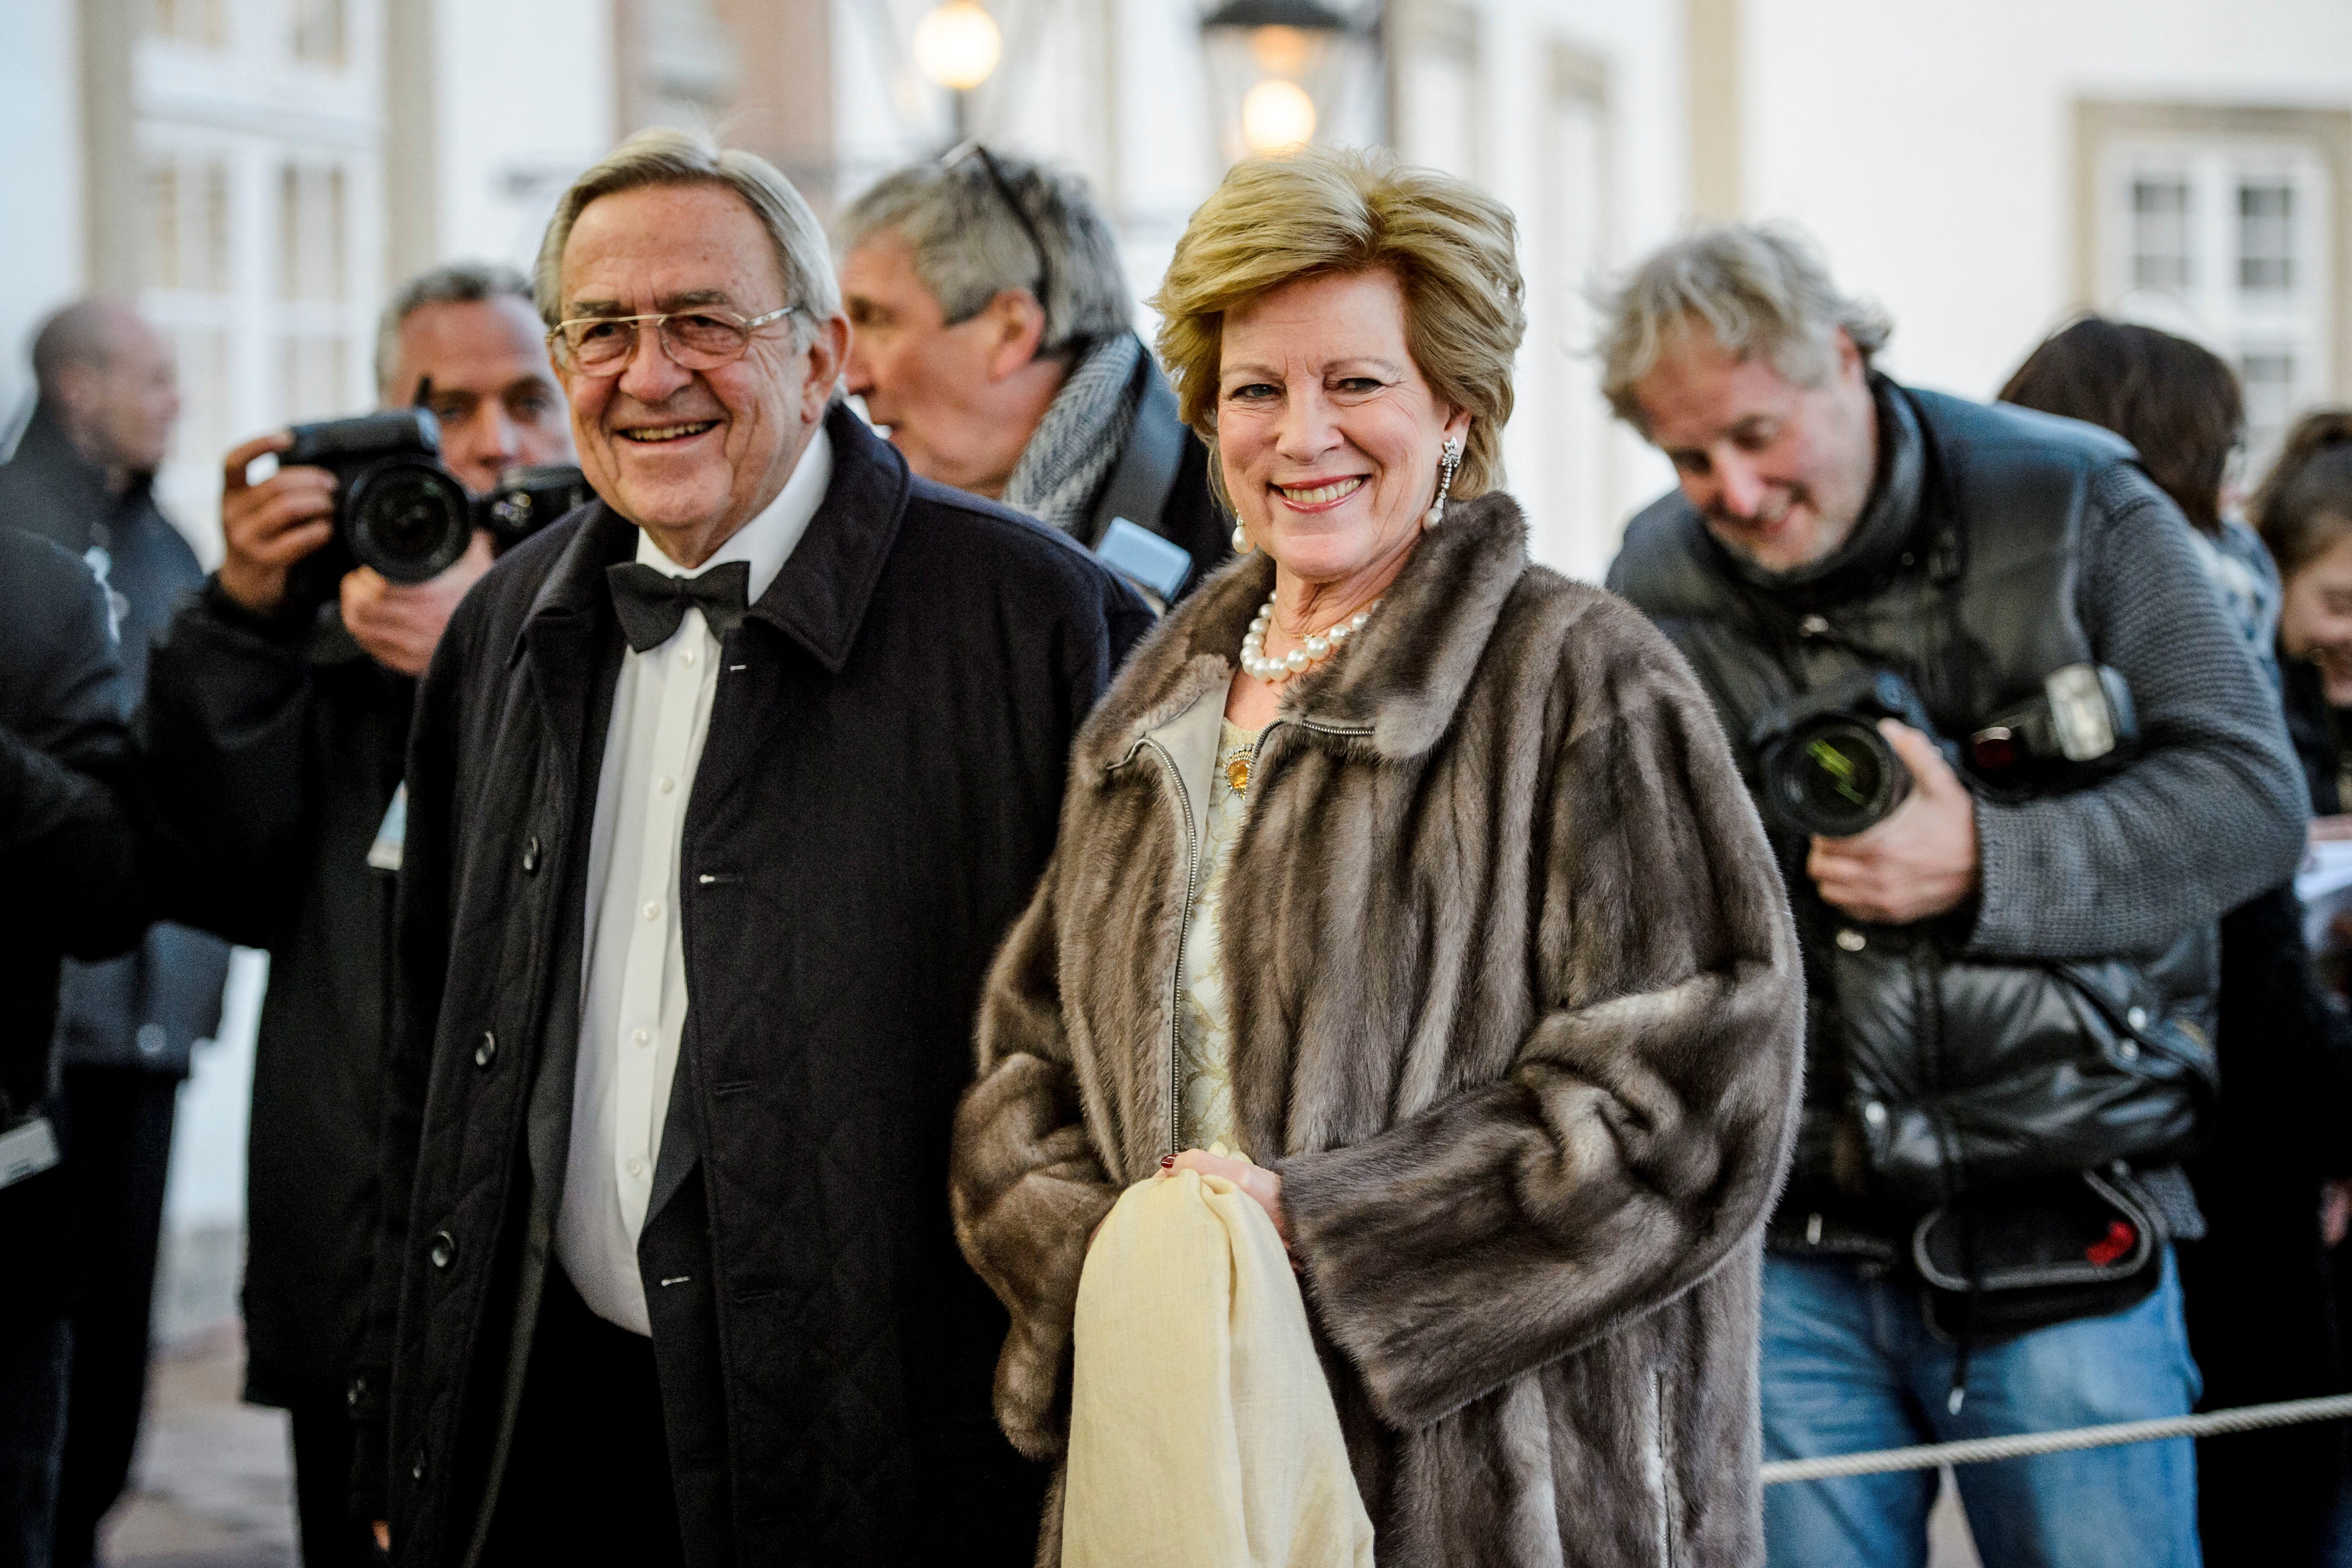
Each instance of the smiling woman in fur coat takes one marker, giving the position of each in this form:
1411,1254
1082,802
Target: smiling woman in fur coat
1422,876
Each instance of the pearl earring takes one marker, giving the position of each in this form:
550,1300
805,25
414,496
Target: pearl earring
1451,458
1241,545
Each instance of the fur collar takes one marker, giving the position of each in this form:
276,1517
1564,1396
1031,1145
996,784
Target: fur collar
1393,693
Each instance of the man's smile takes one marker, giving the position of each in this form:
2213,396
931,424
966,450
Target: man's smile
651,435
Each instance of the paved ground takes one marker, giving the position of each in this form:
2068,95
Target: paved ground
213,1485
214,1488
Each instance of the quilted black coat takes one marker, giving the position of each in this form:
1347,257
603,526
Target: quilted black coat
876,797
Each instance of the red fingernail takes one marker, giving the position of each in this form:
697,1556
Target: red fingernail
1166,1161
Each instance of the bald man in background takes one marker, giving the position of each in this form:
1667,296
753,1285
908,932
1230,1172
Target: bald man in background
82,477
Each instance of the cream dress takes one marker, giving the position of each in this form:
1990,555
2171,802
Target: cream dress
1204,1028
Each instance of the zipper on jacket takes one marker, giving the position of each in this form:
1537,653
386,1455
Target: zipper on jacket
1184,919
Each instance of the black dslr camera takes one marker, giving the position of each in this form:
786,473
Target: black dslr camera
397,509
1823,769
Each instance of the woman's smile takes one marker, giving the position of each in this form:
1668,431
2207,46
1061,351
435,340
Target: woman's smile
1317,495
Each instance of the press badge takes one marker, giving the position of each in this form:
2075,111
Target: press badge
392,833
26,1150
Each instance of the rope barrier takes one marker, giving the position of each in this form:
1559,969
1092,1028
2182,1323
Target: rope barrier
1977,1451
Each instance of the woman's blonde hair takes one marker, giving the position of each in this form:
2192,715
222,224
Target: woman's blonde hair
1321,210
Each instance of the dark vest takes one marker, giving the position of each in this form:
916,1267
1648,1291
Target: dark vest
1933,1070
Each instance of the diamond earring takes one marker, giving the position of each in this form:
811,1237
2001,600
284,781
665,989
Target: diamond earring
1452,459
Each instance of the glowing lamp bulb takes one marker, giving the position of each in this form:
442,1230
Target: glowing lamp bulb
1276,114
957,44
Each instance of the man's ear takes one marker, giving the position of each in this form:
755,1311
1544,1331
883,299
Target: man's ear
1016,330
79,390
828,356
1850,365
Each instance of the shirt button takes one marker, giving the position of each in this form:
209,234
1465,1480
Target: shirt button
643,1037
488,1051
668,784
530,855
444,1249
686,657
653,911
635,1167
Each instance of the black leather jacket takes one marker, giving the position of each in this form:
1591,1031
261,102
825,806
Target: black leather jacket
1940,1065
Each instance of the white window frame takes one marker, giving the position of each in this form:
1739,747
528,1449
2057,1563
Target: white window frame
252,108
2214,151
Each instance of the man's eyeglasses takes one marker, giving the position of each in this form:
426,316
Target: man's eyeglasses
955,156
700,340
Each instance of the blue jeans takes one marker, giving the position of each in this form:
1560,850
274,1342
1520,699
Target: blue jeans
1850,1365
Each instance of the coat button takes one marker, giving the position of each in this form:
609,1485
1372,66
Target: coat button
444,1250
2128,1049
417,1471
530,855
2136,1017
1874,1114
488,1051
1853,941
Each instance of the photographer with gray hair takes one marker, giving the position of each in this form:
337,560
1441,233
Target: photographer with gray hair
995,339
275,725
2016,762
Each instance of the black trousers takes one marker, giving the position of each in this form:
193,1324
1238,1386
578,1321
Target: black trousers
588,1478
321,1436
34,1355
115,1128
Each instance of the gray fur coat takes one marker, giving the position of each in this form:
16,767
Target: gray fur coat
1517,1014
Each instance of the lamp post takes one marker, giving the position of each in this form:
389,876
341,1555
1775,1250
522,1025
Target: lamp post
957,44
1275,71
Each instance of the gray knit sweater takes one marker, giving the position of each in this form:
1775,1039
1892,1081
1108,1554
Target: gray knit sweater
2211,813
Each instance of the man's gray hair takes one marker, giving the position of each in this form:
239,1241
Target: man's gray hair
969,247
663,155
452,283
1756,289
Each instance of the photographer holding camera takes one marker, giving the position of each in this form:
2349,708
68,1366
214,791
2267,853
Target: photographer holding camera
277,716
2016,762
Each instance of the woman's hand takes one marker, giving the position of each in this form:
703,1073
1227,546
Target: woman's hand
1261,1185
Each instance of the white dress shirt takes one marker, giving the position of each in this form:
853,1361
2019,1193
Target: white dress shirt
634,998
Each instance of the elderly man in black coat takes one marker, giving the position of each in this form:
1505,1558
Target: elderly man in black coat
720,793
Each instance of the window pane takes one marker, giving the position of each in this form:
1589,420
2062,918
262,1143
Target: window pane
215,273
311,375
2159,224
2266,237
311,263
2269,378
318,32
163,225
204,22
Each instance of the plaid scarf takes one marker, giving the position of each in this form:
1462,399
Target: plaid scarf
1071,455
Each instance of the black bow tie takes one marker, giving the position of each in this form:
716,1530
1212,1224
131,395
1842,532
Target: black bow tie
651,604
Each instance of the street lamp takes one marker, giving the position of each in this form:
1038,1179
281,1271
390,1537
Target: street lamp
957,44
1274,69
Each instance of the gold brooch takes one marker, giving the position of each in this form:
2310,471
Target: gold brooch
1237,769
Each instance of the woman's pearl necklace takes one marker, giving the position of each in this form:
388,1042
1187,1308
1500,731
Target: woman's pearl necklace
1311,650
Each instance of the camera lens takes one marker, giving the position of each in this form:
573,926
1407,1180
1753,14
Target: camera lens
407,518
1836,776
